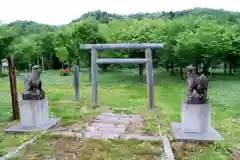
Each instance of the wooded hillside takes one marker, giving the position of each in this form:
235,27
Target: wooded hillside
197,36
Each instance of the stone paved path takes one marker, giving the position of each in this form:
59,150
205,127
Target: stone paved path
117,126
108,125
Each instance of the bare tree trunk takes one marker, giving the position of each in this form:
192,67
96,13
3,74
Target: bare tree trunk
181,72
172,68
225,68
42,64
197,67
206,68
234,67
29,66
1,68
17,71
167,65
230,68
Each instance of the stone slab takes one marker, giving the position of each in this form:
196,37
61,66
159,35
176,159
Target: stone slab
107,125
179,135
106,129
141,137
132,120
100,135
120,115
167,148
100,117
112,116
51,123
112,121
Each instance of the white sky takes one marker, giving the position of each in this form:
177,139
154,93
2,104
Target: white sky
63,11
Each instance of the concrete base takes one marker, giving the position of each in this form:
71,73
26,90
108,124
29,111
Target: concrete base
51,123
33,112
196,117
178,134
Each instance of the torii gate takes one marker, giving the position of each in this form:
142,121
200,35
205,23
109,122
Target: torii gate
147,60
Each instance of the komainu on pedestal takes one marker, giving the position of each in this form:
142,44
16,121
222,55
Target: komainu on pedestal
197,87
33,86
195,112
33,107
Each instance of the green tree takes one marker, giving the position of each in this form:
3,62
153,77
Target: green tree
25,50
6,38
62,54
46,46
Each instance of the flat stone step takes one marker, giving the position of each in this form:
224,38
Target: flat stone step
106,129
106,125
141,137
131,118
112,121
120,109
124,121
100,135
120,115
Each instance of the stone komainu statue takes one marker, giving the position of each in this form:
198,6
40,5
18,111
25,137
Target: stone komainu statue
197,87
33,86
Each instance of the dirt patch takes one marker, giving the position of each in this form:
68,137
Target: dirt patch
80,125
73,149
139,128
122,111
181,149
236,155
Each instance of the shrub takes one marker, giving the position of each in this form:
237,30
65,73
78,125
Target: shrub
4,73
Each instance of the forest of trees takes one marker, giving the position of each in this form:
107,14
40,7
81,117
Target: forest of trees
198,36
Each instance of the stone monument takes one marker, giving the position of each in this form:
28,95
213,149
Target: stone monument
195,111
33,106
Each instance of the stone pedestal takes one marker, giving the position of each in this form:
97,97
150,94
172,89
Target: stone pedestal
33,117
195,124
195,118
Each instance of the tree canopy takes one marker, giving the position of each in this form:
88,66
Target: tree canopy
200,36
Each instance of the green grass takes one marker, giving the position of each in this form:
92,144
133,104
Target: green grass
123,89
62,148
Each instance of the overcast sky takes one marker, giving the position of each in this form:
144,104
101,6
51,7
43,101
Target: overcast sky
63,11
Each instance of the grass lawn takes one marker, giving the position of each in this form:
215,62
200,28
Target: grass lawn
122,88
